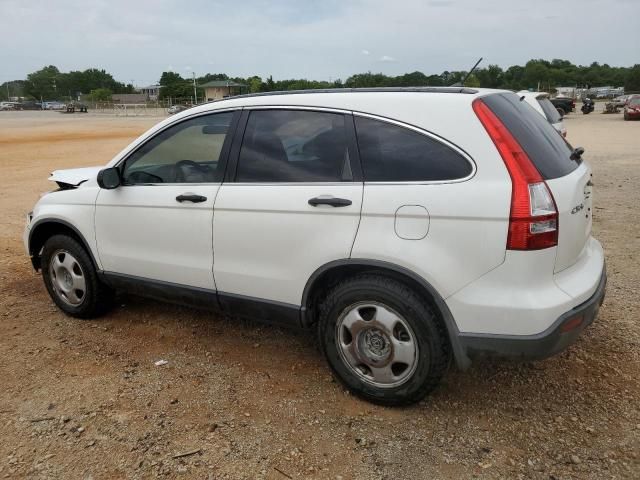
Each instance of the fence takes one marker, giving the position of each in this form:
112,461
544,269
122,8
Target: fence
150,108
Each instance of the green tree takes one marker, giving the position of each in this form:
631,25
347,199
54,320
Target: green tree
255,84
632,80
12,88
101,95
490,77
174,86
472,81
43,83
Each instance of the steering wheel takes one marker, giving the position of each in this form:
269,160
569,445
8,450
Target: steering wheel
183,163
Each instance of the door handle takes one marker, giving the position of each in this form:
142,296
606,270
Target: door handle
190,197
333,201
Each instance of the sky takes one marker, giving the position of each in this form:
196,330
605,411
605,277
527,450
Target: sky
136,40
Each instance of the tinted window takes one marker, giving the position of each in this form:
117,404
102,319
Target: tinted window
549,110
188,152
546,149
294,146
390,153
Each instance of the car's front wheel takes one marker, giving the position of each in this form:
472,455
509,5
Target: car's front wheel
72,280
383,340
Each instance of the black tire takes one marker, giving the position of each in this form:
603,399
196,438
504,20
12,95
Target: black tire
428,332
561,112
97,297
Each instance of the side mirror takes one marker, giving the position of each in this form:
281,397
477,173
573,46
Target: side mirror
109,178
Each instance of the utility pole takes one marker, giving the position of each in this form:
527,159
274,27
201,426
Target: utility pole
195,91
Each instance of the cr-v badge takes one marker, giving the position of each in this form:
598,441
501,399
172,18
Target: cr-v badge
577,208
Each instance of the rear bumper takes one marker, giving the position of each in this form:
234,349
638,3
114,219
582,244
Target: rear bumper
562,333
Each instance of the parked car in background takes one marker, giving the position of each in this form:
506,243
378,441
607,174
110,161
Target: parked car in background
7,106
564,105
176,109
28,105
620,101
401,239
541,104
54,105
632,108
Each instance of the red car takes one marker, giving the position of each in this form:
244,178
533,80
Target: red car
632,108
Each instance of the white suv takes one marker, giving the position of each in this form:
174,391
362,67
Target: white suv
541,104
407,226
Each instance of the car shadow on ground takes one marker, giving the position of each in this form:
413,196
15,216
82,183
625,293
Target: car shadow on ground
488,385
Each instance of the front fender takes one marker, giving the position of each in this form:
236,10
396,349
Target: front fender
65,210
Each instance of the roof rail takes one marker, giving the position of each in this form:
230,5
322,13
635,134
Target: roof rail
357,90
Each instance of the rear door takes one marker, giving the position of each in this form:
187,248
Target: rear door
569,179
292,203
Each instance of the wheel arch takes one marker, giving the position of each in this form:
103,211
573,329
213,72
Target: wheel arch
329,274
44,229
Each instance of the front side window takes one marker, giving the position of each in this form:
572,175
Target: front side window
391,153
294,146
188,152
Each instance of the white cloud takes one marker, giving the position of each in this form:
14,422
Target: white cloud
297,39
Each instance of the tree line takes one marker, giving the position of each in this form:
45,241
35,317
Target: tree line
49,83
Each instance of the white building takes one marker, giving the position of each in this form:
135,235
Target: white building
152,92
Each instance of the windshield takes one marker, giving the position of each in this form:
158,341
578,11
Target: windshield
550,153
549,110
635,101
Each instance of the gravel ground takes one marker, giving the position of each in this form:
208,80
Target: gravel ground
84,399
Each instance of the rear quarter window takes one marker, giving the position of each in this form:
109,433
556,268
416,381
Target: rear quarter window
545,147
391,153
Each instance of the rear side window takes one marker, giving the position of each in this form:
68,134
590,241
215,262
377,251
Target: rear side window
545,147
390,153
294,146
549,110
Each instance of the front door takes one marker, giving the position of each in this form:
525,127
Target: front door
159,224
292,206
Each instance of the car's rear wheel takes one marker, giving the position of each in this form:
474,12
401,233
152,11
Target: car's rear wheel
71,278
383,341
561,112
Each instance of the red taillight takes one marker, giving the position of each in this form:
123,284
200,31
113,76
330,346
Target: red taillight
533,221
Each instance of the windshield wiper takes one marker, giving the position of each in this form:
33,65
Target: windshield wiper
577,153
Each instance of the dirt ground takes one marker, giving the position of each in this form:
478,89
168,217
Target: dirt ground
83,399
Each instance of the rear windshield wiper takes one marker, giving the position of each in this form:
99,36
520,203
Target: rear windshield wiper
577,153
